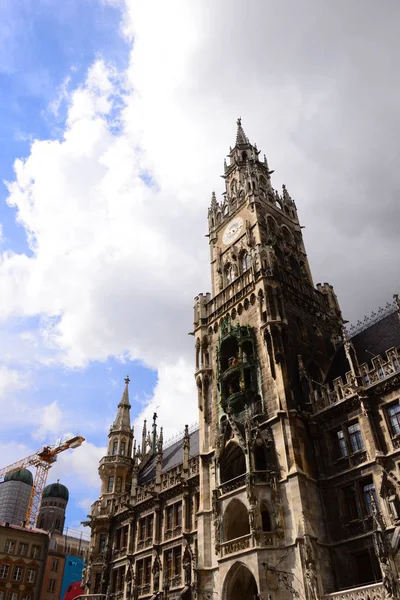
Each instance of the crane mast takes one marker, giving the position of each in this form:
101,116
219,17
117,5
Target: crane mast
42,460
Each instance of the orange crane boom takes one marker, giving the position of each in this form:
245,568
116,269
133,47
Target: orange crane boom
42,460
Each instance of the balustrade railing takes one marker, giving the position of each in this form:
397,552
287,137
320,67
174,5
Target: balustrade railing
374,591
172,533
237,289
359,526
233,484
347,462
144,590
176,581
340,390
236,545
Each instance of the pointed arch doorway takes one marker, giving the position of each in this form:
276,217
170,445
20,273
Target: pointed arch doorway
240,584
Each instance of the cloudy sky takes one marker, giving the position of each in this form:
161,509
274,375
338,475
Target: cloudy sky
115,120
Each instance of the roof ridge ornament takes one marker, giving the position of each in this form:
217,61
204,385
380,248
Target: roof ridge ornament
374,317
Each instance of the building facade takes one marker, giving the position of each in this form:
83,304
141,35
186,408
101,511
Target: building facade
290,485
23,555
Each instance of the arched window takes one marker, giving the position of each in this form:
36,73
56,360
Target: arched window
244,155
286,235
236,521
122,448
271,224
232,463
115,448
245,262
230,275
294,265
265,519
263,183
260,458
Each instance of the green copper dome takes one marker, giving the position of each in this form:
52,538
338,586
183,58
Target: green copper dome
23,475
56,490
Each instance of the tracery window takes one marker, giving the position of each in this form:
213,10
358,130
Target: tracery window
230,276
355,437
394,418
115,448
245,262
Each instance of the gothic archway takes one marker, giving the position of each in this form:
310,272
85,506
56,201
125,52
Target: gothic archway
235,521
232,462
239,584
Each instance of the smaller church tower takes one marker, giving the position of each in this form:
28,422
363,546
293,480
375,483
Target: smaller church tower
116,466
52,509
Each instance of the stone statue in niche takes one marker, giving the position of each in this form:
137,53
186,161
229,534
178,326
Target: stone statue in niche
187,565
156,574
310,572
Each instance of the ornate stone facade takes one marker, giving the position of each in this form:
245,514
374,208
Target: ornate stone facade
290,486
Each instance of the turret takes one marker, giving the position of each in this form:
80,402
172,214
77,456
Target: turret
115,469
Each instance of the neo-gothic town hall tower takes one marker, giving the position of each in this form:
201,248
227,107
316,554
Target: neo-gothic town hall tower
290,486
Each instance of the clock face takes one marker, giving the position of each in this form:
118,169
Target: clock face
232,231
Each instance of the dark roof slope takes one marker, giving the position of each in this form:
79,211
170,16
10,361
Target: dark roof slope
372,341
172,457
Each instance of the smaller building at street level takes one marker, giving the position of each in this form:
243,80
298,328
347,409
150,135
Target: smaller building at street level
290,486
23,557
39,564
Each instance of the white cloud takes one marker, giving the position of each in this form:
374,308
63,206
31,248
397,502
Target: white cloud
79,466
12,451
116,262
50,422
174,400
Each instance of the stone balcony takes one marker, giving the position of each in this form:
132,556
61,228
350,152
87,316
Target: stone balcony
380,370
237,545
374,591
233,484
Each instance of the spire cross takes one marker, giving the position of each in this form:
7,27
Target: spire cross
127,380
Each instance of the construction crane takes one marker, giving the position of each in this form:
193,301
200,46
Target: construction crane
42,460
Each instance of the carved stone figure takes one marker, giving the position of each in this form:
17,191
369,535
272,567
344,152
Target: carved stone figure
156,574
187,566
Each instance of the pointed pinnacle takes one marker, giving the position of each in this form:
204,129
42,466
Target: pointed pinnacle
241,137
214,204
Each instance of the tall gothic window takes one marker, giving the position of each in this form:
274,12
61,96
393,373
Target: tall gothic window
369,496
122,449
245,262
342,443
229,274
355,437
115,448
110,484
394,418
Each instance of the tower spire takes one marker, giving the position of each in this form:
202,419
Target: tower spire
241,137
122,420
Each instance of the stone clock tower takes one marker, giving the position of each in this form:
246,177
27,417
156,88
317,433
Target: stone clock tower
263,339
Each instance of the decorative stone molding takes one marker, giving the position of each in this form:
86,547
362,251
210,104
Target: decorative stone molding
375,591
237,545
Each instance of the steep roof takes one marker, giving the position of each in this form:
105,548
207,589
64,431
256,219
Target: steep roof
172,457
371,341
